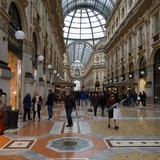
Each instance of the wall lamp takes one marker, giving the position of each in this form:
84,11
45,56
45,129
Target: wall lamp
142,72
130,75
40,58
49,66
18,34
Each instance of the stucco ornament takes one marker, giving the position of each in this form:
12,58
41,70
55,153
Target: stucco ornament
4,4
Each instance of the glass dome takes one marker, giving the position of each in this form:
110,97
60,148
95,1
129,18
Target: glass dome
84,26
79,52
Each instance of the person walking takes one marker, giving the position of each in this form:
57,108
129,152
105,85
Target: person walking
139,99
95,102
82,98
69,105
144,96
50,102
78,98
3,113
26,106
110,103
102,102
3,100
37,103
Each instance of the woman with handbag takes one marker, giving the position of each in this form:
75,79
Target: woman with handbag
111,104
37,103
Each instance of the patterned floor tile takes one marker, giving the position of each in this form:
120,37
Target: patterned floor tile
19,144
70,144
132,143
74,129
136,156
69,159
12,157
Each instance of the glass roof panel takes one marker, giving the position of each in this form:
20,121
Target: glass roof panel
84,21
84,26
83,51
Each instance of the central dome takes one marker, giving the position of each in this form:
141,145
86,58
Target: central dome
84,24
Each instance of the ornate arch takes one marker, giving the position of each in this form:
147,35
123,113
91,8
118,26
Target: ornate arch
152,57
21,10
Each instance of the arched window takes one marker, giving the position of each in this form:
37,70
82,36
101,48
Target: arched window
142,67
157,60
131,71
130,3
14,25
122,13
34,54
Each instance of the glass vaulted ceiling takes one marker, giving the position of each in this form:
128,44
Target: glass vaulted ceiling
84,26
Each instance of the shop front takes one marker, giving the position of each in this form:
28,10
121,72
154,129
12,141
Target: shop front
157,77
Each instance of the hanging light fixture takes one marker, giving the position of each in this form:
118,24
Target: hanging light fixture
40,58
49,66
142,72
19,35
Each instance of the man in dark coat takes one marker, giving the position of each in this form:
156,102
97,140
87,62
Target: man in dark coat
50,103
69,105
27,106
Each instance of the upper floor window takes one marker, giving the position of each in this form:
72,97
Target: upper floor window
130,44
140,36
122,13
122,51
116,55
117,22
112,29
157,23
130,3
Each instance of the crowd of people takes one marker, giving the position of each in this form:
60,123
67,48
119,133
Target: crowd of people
103,99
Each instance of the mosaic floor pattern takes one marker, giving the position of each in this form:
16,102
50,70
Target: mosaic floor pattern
19,144
133,143
138,137
70,144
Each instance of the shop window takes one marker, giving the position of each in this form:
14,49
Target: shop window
15,82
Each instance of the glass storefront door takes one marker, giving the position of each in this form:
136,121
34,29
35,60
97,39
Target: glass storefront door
15,82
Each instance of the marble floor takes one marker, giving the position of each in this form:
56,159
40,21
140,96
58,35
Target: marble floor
138,136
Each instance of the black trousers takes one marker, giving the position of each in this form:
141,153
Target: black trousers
34,114
26,111
69,117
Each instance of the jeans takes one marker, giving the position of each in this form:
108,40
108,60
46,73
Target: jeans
69,117
102,109
50,111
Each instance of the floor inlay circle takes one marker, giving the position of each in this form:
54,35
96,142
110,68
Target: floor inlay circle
70,144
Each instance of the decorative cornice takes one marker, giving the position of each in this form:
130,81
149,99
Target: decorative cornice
136,12
4,20
36,25
4,4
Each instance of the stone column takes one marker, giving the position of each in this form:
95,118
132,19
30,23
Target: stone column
5,71
149,84
27,75
136,83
